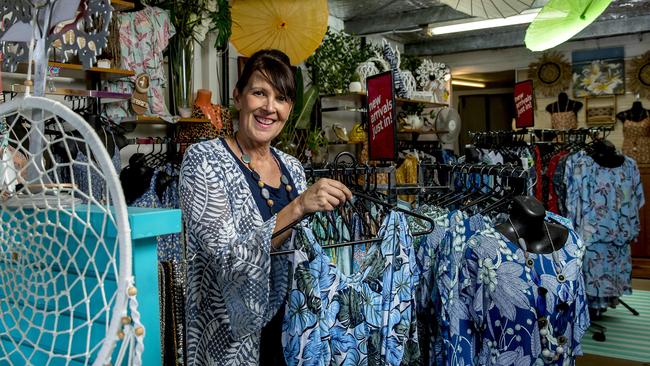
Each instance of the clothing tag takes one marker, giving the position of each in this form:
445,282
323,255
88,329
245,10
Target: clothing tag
524,163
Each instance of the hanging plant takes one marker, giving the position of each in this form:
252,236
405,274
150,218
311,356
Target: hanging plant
639,75
334,62
551,74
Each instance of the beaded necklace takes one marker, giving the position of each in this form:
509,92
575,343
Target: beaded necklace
246,159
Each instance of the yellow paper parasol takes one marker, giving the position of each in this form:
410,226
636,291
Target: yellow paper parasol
296,27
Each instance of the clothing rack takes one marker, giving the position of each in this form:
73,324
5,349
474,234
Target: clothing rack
536,135
350,172
150,140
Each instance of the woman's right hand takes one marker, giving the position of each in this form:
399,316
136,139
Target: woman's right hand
324,195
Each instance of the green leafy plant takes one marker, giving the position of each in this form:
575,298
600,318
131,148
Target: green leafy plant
410,63
333,64
316,139
194,19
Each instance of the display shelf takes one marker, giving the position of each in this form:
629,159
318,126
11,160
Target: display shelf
403,101
157,120
119,5
431,132
344,143
76,71
358,98
107,97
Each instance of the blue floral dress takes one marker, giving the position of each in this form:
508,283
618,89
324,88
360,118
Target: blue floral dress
511,314
450,257
367,318
426,247
603,203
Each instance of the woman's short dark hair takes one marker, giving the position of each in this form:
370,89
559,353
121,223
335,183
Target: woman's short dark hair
275,66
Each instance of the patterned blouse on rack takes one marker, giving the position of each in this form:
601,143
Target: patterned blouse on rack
144,35
636,140
234,285
510,313
92,184
450,260
169,246
367,318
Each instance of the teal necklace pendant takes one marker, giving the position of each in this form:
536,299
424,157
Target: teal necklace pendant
244,157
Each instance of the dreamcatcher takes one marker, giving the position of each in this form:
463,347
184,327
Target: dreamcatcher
66,288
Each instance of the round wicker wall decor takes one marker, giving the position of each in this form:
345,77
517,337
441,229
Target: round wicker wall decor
551,74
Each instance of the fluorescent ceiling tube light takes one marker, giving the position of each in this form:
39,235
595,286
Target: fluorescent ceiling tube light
523,18
467,83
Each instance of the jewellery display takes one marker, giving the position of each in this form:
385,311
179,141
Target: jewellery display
246,159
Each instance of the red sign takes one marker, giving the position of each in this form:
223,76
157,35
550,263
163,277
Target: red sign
524,104
382,133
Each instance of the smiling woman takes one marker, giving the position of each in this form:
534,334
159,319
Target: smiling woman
235,192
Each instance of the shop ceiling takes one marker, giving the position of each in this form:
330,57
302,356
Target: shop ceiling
408,21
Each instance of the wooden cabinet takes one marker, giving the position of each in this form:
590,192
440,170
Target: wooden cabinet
641,248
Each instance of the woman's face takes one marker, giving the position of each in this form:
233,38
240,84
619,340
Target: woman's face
262,110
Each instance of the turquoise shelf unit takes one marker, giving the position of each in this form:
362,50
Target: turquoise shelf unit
146,224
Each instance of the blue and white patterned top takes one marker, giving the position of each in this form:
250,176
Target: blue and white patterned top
234,286
603,203
450,260
367,318
503,318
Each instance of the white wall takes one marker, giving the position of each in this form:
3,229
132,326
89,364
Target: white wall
519,58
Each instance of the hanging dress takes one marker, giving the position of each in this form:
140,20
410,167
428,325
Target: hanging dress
603,204
367,318
636,139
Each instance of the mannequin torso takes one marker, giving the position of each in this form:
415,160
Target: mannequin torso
527,222
636,114
564,112
564,104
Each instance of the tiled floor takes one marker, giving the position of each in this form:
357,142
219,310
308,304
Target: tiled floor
592,360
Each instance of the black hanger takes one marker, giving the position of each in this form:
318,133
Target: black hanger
376,201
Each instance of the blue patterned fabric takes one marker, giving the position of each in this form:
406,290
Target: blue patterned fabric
169,246
234,286
603,204
496,318
389,55
426,248
367,318
450,259
92,184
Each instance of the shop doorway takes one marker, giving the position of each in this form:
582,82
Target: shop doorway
486,112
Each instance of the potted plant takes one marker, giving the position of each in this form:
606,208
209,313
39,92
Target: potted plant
355,85
332,65
317,145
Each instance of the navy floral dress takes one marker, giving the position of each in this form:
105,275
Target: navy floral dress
367,318
513,313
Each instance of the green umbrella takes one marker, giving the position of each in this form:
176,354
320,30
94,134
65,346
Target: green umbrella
560,20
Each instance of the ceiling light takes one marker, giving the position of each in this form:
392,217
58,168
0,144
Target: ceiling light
523,18
473,84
